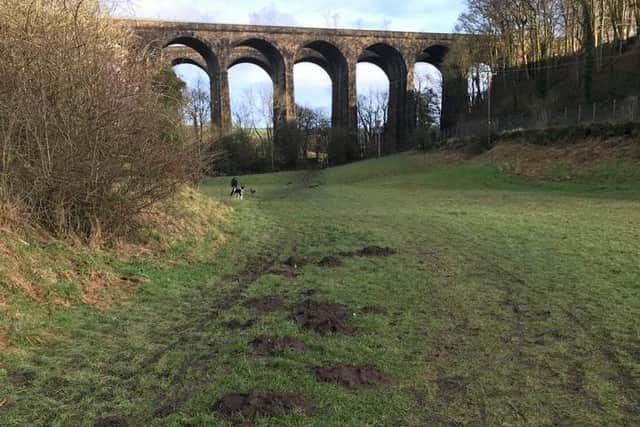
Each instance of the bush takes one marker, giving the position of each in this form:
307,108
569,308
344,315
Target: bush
236,153
289,145
343,146
88,139
423,139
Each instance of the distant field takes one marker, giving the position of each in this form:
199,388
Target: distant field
491,300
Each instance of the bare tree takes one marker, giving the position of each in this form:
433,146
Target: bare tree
531,31
372,119
91,128
331,19
314,125
198,112
428,100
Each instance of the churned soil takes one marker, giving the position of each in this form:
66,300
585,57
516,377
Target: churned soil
270,346
351,377
323,317
295,261
266,304
262,404
330,262
376,251
371,251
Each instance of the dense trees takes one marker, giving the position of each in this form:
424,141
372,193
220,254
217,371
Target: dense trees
532,31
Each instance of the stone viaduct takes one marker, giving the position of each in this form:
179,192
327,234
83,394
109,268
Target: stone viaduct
217,47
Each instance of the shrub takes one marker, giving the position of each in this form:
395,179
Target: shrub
289,145
343,146
423,139
87,139
236,153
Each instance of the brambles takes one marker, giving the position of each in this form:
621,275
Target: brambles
90,130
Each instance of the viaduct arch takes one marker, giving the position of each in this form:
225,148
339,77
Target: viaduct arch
217,47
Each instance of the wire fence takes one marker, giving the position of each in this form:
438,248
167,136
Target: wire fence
612,112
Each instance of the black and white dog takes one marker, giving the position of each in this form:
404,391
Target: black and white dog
238,192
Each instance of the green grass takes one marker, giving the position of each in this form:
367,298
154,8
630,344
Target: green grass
509,302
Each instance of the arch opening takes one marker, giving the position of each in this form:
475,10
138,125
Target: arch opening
428,96
372,85
205,52
189,51
251,96
283,108
313,97
391,61
434,55
196,99
330,59
267,51
250,55
178,61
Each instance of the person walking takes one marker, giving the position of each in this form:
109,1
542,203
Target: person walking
234,185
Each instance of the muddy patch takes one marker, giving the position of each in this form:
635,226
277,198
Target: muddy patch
271,346
376,251
262,404
323,317
239,324
351,377
295,262
371,252
111,421
266,304
330,262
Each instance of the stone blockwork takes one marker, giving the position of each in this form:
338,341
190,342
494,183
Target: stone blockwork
217,47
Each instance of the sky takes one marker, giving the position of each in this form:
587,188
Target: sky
311,84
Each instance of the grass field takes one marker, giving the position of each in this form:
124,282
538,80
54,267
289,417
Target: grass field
507,302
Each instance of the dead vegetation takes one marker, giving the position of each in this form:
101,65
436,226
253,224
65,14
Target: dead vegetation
550,154
63,271
94,162
90,125
562,161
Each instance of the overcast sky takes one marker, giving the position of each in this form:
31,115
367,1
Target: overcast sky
312,85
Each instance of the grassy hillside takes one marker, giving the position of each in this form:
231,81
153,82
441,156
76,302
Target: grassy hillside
502,300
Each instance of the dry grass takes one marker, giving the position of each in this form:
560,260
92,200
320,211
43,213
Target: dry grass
35,263
4,340
561,160
190,215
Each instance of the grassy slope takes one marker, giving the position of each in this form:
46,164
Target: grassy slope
509,302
